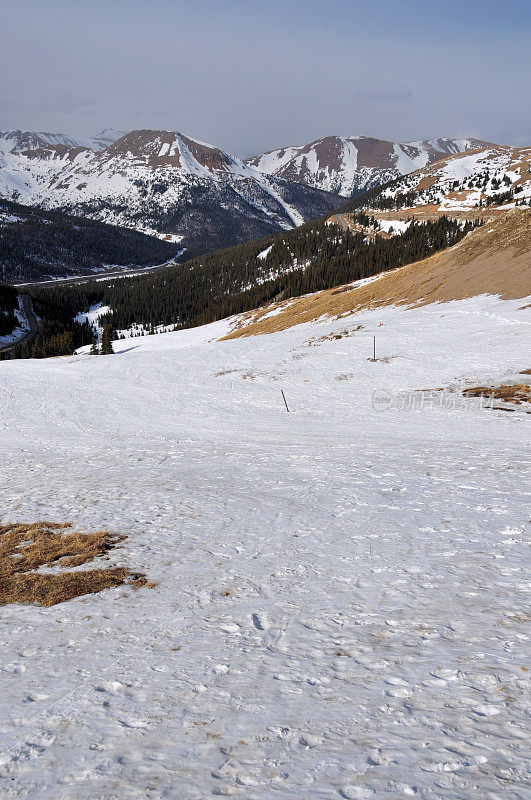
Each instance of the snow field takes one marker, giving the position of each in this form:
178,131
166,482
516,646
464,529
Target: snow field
340,599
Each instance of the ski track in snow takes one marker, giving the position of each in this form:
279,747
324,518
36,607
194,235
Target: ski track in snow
340,600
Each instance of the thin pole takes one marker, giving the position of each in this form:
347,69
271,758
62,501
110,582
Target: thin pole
374,348
284,396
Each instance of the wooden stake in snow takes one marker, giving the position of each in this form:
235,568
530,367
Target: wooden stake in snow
285,402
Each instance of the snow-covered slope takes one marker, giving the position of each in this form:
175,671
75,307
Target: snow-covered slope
160,182
339,608
19,141
354,164
489,178
105,137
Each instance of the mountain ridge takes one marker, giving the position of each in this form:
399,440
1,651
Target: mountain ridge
163,183
353,164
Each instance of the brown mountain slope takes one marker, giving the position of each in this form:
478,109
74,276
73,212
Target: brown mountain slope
493,259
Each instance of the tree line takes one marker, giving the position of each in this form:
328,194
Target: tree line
307,259
36,244
8,305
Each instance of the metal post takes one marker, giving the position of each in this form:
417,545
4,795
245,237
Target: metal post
285,402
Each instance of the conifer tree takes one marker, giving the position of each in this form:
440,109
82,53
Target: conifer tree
106,342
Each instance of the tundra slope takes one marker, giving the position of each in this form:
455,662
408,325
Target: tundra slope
492,259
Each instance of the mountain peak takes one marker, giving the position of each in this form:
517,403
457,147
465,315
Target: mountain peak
105,137
173,149
18,141
349,165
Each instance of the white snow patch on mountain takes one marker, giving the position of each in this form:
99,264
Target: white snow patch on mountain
396,226
93,315
265,253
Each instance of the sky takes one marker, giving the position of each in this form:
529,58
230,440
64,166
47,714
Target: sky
253,75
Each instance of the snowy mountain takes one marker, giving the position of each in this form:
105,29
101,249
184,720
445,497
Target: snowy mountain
491,178
17,141
104,138
159,182
351,165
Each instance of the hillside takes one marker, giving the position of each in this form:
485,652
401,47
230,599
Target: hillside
493,259
36,244
488,179
163,183
219,284
351,165
8,308
386,228
334,600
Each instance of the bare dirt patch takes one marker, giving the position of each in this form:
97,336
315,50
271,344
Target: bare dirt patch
27,548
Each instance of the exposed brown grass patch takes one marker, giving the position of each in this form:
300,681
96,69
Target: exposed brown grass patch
510,393
25,548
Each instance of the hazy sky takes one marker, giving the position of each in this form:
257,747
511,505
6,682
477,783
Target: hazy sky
250,75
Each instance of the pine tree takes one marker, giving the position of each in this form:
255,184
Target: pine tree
94,351
106,342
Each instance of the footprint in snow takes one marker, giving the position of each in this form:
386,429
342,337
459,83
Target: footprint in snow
109,686
230,627
310,740
355,793
260,621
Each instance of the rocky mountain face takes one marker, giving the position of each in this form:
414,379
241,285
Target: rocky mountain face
351,165
158,182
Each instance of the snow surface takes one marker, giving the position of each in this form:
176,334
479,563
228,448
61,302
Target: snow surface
264,253
339,609
92,316
397,225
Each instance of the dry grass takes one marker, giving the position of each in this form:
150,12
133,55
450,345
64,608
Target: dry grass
509,393
25,548
493,259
